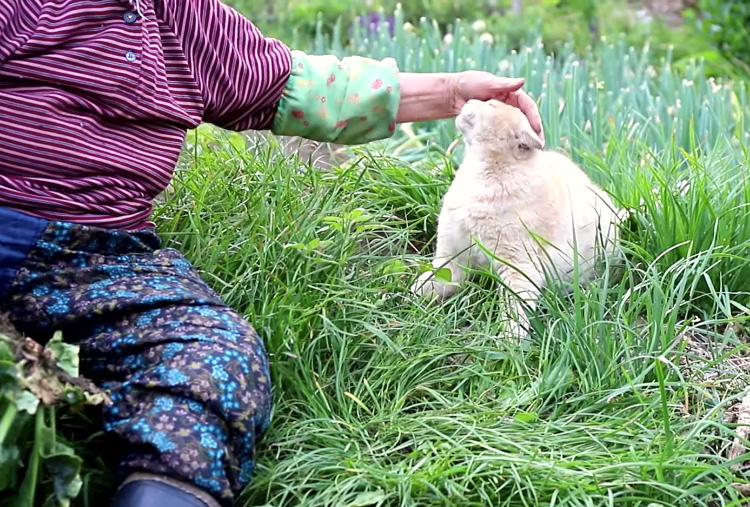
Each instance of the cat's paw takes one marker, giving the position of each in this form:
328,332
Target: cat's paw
516,326
515,331
428,286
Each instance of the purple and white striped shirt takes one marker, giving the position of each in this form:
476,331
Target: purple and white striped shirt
96,97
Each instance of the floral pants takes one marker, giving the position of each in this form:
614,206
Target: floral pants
188,376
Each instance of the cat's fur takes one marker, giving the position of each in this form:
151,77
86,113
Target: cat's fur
526,205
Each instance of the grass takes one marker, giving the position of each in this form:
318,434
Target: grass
382,399
621,396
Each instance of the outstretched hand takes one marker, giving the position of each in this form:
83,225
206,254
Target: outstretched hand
484,86
427,97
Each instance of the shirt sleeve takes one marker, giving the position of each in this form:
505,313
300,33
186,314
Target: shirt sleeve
252,82
240,72
349,101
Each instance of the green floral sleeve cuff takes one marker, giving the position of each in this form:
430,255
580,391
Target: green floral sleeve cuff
349,101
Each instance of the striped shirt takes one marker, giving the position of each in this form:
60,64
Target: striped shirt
96,97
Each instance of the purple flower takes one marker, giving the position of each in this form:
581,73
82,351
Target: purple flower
371,23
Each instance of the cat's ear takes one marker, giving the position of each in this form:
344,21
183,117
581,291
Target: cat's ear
528,140
466,121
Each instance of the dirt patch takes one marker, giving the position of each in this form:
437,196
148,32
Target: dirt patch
725,363
320,155
669,11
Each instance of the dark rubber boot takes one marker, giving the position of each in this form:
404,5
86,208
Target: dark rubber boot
154,491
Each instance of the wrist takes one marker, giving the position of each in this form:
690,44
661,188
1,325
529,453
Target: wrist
452,91
427,97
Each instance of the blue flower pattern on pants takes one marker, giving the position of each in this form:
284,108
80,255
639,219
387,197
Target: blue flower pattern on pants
188,376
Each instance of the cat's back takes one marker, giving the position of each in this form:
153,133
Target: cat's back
557,163
567,174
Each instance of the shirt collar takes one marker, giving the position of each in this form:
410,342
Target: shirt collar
139,6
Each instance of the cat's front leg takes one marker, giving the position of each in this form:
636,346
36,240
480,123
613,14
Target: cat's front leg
451,255
429,285
525,293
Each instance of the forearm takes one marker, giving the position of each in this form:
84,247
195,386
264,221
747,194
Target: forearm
425,97
358,100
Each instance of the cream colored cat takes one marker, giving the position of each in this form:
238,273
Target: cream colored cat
531,208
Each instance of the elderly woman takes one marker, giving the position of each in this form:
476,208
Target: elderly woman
96,97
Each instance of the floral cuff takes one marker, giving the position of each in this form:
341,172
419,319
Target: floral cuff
349,101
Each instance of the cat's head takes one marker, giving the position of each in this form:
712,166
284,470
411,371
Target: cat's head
497,127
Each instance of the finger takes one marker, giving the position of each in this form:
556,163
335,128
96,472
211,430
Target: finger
506,85
527,105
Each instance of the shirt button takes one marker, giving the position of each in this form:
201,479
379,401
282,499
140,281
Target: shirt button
130,56
130,17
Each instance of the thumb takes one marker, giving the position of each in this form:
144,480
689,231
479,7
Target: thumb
507,85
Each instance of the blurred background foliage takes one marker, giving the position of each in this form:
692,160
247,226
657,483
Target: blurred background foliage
713,30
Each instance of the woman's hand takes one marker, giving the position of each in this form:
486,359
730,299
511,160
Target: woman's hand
485,86
427,97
